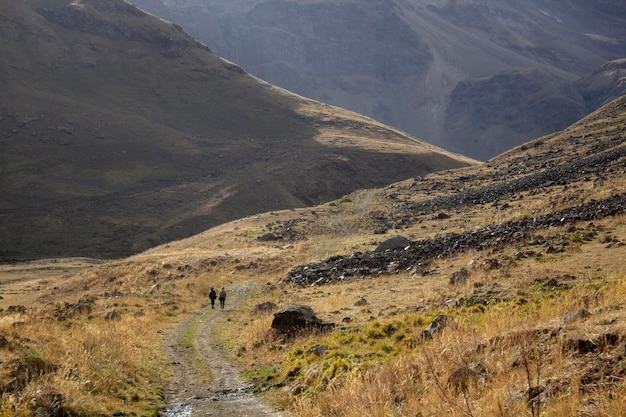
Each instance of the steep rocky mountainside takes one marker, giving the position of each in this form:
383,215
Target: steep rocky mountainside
477,77
118,131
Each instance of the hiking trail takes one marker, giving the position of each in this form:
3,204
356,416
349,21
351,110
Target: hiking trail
226,395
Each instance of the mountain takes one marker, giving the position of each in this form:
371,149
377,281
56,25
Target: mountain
496,289
118,132
604,84
474,76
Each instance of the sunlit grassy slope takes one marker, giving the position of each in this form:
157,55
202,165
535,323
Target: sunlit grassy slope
536,326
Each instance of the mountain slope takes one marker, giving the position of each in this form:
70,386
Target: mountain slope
118,132
408,63
521,255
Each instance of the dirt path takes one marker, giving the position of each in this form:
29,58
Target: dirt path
226,395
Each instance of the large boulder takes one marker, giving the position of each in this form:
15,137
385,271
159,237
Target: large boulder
297,317
393,243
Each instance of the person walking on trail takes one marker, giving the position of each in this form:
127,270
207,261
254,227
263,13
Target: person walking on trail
222,298
212,296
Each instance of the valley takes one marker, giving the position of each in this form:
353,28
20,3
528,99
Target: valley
366,271
533,303
120,132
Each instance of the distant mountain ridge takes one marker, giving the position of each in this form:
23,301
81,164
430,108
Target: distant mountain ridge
442,70
118,132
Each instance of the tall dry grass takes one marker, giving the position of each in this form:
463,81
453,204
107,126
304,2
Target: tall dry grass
98,366
375,363
96,339
519,362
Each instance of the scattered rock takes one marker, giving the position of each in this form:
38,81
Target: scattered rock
114,294
601,343
437,325
491,264
265,307
48,404
555,249
22,375
319,350
69,310
462,380
297,390
361,302
577,315
16,309
407,254
559,175
112,315
615,243
459,277
552,283
268,237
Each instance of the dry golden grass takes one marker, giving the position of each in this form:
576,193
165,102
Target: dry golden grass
511,334
513,343
375,360
95,365
100,364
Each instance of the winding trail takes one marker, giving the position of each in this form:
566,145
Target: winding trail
226,395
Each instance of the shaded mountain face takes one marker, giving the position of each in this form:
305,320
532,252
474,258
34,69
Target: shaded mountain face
604,84
118,132
422,65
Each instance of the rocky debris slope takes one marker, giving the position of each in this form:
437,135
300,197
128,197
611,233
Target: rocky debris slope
562,161
419,254
558,175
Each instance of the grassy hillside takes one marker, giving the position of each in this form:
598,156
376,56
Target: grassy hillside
523,254
119,132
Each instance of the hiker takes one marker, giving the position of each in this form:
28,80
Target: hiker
212,296
222,298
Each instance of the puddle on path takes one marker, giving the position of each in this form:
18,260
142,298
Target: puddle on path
177,410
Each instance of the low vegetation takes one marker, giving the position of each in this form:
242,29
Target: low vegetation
534,326
539,341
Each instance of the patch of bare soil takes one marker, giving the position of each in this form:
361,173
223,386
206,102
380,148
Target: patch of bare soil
226,395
